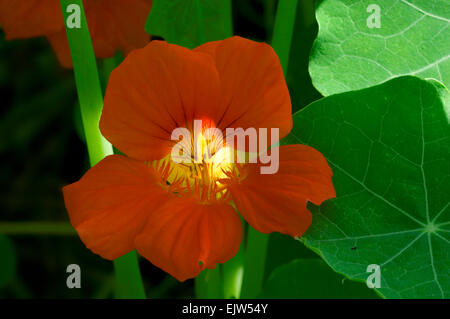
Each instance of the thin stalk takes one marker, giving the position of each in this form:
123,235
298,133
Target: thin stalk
229,13
255,260
208,285
91,103
108,65
256,249
201,286
37,228
128,277
233,274
233,270
283,30
201,30
88,84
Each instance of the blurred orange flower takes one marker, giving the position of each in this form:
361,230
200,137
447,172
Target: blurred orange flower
115,25
179,215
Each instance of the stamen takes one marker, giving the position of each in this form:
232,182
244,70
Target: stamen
208,180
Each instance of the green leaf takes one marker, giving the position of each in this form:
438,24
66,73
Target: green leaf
8,261
412,40
282,250
190,23
389,149
312,278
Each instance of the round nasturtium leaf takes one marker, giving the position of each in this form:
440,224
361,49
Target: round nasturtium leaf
311,279
362,43
190,23
389,149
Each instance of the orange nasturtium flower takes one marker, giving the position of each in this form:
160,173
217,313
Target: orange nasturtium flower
114,25
180,216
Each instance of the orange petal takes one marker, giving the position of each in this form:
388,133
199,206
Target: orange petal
109,205
184,237
155,90
30,18
114,25
117,25
61,47
277,202
254,92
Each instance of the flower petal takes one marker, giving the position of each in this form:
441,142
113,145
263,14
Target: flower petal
184,237
155,90
254,91
277,202
114,25
109,205
60,46
30,18
117,25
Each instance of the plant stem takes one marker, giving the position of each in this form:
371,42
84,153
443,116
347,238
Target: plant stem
283,30
88,85
37,228
233,274
108,65
128,278
233,270
255,260
208,285
201,286
229,14
256,249
201,30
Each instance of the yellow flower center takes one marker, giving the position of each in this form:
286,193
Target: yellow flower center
199,167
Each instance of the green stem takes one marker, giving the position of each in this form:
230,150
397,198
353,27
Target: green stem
233,270
283,30
255,260
88,84
229,14
201,286
256,249
37,228
200,22
128,277
108,66
208,285
233,274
